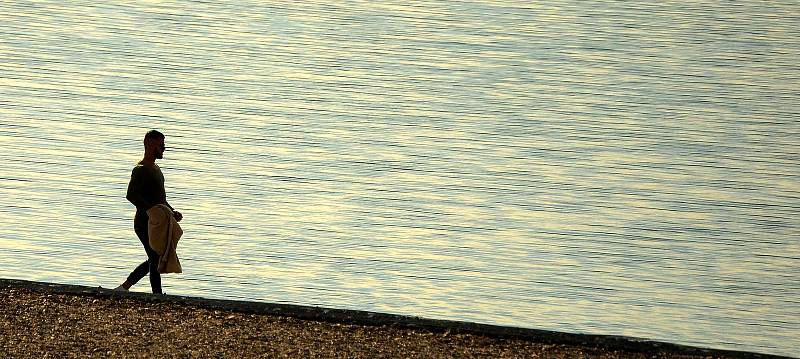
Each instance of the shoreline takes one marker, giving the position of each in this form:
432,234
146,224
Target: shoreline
493,335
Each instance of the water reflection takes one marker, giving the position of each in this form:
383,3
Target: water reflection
616,169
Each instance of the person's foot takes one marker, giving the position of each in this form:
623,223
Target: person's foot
121,289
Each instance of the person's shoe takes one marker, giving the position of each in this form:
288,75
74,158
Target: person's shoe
120,289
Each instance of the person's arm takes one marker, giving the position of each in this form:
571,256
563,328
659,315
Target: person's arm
140,191
178,216
133,195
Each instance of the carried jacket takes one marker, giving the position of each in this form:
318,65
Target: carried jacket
164,232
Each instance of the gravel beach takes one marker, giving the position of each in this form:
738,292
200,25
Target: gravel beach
37,322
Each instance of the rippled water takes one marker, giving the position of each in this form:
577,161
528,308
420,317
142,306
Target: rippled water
611,168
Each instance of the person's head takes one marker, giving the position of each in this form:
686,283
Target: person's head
154,144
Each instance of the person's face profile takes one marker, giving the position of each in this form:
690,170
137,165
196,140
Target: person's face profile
159,148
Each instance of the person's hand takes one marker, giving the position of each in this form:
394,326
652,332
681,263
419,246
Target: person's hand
178,216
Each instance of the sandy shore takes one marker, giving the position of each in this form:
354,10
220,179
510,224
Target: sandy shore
39,320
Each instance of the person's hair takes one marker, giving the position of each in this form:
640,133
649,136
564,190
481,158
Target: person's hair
152,135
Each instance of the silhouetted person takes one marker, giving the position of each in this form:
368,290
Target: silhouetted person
145,190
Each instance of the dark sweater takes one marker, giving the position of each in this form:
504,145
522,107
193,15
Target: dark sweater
145,190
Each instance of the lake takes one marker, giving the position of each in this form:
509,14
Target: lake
620,168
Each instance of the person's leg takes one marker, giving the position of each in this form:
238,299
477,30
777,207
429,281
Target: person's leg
142,269
137,274
152,261
155,276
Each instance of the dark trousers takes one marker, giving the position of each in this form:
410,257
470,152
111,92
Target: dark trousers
148,266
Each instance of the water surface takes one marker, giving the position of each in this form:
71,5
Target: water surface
611,168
